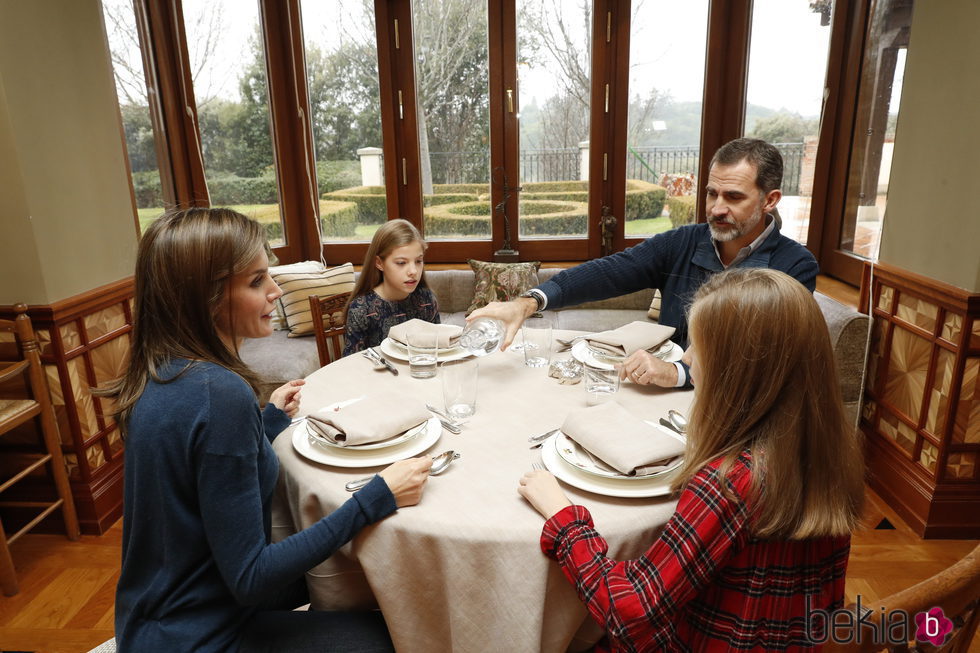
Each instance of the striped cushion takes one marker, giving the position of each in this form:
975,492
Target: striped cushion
297,288
654,312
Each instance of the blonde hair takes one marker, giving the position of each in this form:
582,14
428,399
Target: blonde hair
392,234
183,264
768,384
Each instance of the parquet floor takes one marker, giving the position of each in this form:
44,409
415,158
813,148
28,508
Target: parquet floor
65,601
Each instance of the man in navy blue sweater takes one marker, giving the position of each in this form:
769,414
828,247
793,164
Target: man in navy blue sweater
742,189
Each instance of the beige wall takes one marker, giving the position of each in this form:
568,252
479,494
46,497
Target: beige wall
932,223
66,215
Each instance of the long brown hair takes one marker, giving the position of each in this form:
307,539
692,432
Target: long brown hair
392,234
768,384
183,265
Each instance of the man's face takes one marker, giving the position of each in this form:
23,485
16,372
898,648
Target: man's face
734,204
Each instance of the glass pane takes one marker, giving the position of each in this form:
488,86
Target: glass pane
451,75
554,71
787,69
227,63
874,131
664,128
345,109
127,67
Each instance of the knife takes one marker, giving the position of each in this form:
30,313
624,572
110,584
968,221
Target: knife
673,428
383,361
544,436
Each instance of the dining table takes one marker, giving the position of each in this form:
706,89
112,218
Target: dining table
463,570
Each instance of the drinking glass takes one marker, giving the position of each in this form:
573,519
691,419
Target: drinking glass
601,382
423,353
482,336
459,382
537,341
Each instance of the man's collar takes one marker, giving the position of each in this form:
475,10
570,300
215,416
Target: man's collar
706,253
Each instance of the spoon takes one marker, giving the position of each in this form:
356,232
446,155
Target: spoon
678,421
440,463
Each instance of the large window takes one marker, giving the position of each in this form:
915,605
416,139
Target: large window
510,128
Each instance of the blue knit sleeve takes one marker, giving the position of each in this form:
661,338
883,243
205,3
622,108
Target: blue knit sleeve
229,451
274,421
637,268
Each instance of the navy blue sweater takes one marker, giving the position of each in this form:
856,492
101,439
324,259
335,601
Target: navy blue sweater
678,262
199,477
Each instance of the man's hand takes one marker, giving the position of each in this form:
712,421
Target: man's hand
644,368
543,493
512,314
286,397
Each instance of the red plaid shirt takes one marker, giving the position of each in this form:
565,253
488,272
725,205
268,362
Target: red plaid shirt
706,584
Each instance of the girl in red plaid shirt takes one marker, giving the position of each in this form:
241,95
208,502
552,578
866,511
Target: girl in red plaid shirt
770,489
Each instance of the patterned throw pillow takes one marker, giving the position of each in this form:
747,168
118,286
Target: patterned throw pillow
297,288
500,282
654,312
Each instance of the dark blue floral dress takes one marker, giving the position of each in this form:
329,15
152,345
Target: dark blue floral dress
369,317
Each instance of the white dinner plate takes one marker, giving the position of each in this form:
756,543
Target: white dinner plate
582,353
399,352
575,455
346,457
657,486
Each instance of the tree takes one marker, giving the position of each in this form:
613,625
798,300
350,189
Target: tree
784,127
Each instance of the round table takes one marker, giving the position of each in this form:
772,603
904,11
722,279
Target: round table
463,570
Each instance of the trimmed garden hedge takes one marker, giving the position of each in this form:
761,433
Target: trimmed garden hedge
683,209
338,219
537,217
372,204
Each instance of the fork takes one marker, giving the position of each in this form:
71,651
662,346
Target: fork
537,467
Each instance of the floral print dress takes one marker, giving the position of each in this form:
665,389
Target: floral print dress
370,317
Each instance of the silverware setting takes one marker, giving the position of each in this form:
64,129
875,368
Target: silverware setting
565,345
449,426
381,359
675,422
450,418
440,463
539,440
537,467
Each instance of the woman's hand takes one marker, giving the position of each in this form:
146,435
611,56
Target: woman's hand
286,397
542,491
406,479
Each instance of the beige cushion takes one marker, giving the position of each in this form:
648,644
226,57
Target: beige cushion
297,288
279,320
501,282
654,312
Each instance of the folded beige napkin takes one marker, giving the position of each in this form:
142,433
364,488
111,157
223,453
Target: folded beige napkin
626,443
630,338
446,335
372,419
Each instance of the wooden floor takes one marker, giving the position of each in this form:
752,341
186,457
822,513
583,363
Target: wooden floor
65,601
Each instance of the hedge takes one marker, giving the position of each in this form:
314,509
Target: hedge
371,201
682,209
449,198
644,200
473,218
338,219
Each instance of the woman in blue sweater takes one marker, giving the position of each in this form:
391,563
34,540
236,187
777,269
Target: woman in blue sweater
199,571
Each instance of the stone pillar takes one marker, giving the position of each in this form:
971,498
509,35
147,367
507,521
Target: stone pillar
371,166
583,160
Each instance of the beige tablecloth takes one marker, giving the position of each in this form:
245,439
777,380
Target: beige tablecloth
463,570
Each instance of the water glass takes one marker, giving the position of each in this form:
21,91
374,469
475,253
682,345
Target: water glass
537,341
601,382
423,353
459,382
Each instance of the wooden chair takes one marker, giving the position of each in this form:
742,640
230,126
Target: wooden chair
956,590
329,325
13,413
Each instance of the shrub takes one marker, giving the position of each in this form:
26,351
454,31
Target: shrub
372,204
273,231
643,199
436,200
537,218
461,219
335,175
683,209
146,185
226,190
467,189
338,219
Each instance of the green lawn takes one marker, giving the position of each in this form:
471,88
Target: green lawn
648,227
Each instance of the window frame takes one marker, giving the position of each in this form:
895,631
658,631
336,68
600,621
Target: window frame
173,112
